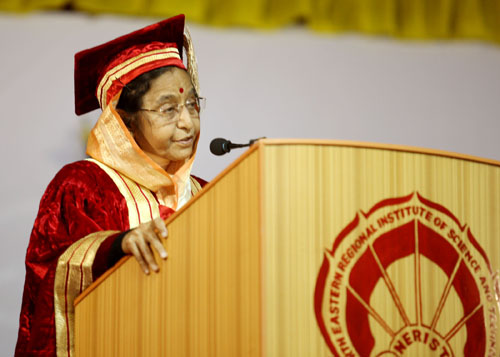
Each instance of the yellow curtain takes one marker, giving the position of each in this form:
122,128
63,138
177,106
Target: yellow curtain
419,19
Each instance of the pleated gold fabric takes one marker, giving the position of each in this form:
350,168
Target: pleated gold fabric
418,19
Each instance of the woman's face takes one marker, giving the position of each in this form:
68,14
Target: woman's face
162,141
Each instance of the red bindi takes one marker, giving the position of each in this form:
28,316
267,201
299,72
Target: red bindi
181,90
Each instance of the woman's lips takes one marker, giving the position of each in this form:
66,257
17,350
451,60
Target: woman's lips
185,142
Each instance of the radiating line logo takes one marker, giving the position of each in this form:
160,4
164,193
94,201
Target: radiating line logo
407,279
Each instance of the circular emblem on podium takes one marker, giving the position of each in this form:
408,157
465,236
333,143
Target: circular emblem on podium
407,278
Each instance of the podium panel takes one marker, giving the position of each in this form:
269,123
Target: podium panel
206,299
316,248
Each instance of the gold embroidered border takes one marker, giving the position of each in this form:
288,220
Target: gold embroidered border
141,204
73,275
129,65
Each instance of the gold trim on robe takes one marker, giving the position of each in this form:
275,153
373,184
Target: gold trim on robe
73,275
195,186
142,205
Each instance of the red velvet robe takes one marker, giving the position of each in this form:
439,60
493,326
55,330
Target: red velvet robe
80,200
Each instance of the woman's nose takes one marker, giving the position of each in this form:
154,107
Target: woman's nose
185,120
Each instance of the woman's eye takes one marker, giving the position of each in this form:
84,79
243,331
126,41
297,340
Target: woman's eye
168,109
192,104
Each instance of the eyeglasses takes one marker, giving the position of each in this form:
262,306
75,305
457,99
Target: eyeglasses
171,112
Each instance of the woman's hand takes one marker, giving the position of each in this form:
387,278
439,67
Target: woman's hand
139,241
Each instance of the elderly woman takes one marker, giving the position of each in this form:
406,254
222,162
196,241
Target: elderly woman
141,153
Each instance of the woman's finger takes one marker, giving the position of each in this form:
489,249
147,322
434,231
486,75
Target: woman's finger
160,227
146,252
160,231
156,243
138,256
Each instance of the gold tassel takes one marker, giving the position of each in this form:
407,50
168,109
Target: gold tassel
192,66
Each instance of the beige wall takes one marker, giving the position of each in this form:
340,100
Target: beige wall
288,83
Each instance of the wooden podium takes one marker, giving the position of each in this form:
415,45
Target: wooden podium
316,248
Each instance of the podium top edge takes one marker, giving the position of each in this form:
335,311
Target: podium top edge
371,145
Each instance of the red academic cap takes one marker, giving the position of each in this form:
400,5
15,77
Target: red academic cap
102,71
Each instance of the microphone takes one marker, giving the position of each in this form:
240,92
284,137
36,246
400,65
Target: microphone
220,146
